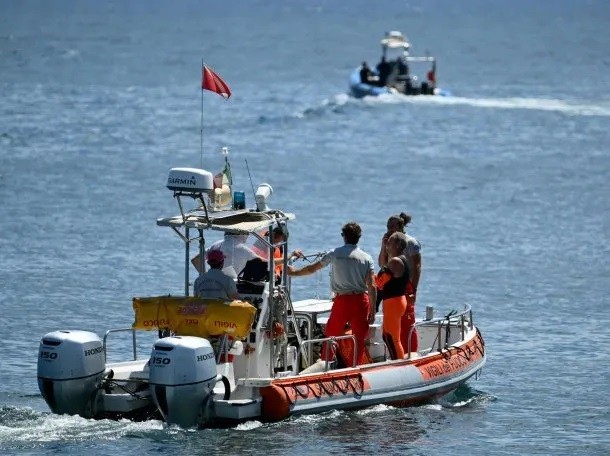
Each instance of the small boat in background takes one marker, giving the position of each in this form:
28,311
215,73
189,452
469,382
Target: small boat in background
393,73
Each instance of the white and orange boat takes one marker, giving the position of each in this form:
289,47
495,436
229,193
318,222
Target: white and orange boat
215,363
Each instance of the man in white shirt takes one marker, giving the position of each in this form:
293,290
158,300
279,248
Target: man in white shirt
236,253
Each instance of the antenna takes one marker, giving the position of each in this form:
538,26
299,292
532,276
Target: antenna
250,177
201,127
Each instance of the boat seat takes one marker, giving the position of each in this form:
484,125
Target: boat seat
245,287
140,375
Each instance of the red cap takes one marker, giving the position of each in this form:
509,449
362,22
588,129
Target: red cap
215,256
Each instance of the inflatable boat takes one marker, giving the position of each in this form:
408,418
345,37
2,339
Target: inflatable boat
216,363
394,74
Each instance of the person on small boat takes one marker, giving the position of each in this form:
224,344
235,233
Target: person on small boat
261,249
352,283
367,76
412,251
391,284
402,68
215,283
384,68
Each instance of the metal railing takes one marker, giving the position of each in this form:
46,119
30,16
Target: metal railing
461,318
133,340
330,342
309,321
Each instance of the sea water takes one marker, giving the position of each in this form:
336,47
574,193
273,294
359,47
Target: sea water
506,181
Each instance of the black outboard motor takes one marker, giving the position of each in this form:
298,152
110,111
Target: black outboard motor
182,377
71,366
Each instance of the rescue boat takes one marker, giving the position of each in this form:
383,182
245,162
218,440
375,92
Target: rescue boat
394,74
215,363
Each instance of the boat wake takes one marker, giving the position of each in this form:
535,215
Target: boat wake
463,397
248,425
334,105
573,108
23,427
342,103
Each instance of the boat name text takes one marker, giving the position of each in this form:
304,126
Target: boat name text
192,309
162,322
445,367
225,324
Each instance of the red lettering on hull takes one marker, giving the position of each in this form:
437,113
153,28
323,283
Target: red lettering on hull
453,361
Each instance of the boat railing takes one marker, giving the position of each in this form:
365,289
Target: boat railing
133,340
462,317
331,342
309,321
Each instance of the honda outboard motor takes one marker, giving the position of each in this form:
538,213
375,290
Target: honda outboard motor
71,365
182,376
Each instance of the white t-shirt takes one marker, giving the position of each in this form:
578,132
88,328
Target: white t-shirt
236,252
351,267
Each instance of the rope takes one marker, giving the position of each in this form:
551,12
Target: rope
466,354
343,390
356,393
298,391
111,383
317,389
481,348
288,398
322,387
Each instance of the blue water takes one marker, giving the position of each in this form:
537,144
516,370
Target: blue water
507,182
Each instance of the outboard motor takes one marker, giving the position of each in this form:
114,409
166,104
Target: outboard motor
71,365
182,377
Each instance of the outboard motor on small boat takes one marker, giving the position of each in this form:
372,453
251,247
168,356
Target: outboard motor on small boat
71,365
182,377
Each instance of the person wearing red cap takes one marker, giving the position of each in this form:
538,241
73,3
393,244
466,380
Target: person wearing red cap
215,283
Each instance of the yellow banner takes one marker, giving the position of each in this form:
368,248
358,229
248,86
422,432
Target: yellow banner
191,316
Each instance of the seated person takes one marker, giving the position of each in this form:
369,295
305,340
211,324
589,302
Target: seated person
215,283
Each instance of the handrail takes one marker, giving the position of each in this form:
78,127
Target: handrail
310,323
331,341
439,321
133,340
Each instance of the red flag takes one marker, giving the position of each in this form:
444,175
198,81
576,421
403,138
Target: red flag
432,73
211,81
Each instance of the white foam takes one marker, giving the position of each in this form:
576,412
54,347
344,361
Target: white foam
52,428
380,408
248,425
541,104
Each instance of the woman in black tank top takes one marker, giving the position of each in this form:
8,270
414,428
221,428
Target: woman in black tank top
391,282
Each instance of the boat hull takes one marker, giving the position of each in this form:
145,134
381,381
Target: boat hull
359,89
398,383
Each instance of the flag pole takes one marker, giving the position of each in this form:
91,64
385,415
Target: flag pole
201,131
